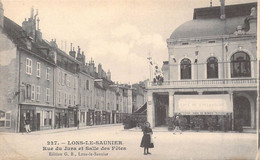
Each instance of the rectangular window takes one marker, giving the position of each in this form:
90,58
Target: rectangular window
74,102
59,77
75,82
47,94
48,73
87,84
29,66
65,98
59,97
69,99
5,119
28,91
84,100
32,92
38,89
65,79
68,80
38,69
62,78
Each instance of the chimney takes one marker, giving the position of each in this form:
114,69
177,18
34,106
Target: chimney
100,70
252,21
222,10
32,12
78,54
30,26
1,15
38,31
109,75
91,66
53,43
72,52
83,58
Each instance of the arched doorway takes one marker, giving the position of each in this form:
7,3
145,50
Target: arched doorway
242,111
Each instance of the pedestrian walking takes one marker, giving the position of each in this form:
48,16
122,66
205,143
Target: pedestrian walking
27,125
177,125
147,141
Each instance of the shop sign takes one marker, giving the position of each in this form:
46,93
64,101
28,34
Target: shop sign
203,104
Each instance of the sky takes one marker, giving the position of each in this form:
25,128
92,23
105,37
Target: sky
119,34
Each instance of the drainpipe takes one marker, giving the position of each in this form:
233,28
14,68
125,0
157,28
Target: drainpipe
53,97
19,68
223,61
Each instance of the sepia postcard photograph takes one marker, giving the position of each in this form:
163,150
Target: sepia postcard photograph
129,80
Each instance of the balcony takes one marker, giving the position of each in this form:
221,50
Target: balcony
207,83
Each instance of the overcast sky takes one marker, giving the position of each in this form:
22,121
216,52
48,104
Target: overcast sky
116,33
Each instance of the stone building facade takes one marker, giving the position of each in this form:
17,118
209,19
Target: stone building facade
211,68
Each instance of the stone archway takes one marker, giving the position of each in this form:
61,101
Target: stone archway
242,111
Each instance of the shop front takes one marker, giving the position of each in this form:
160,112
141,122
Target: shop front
61,118
44,118
104,117
28,113
40,117
98,117
82,117
73,116
108,116
90,117
118,117
204,112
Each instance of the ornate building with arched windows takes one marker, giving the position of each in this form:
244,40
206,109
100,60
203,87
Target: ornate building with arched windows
213,72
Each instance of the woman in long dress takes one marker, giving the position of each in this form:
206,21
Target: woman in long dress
146,140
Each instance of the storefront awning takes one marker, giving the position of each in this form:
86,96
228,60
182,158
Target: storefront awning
219,104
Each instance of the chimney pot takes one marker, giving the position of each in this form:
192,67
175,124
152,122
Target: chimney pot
222,9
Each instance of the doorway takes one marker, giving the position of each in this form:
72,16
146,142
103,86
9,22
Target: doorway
161,105
242,111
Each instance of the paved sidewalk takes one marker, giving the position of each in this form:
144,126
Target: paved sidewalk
165,129
50,131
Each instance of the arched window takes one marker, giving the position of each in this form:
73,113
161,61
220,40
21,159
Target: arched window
185,69
240,65
212,67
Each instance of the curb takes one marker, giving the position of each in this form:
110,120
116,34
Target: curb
50,131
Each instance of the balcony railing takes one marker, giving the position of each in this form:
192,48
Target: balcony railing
208,82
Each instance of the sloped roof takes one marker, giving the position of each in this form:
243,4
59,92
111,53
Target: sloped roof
98,86
20,38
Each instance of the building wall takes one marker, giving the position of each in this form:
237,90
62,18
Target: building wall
86,92
129,101
9,90
110,100
32,79
206,50
66,89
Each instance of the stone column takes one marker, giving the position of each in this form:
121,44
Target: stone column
150,109
231,103
171,104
